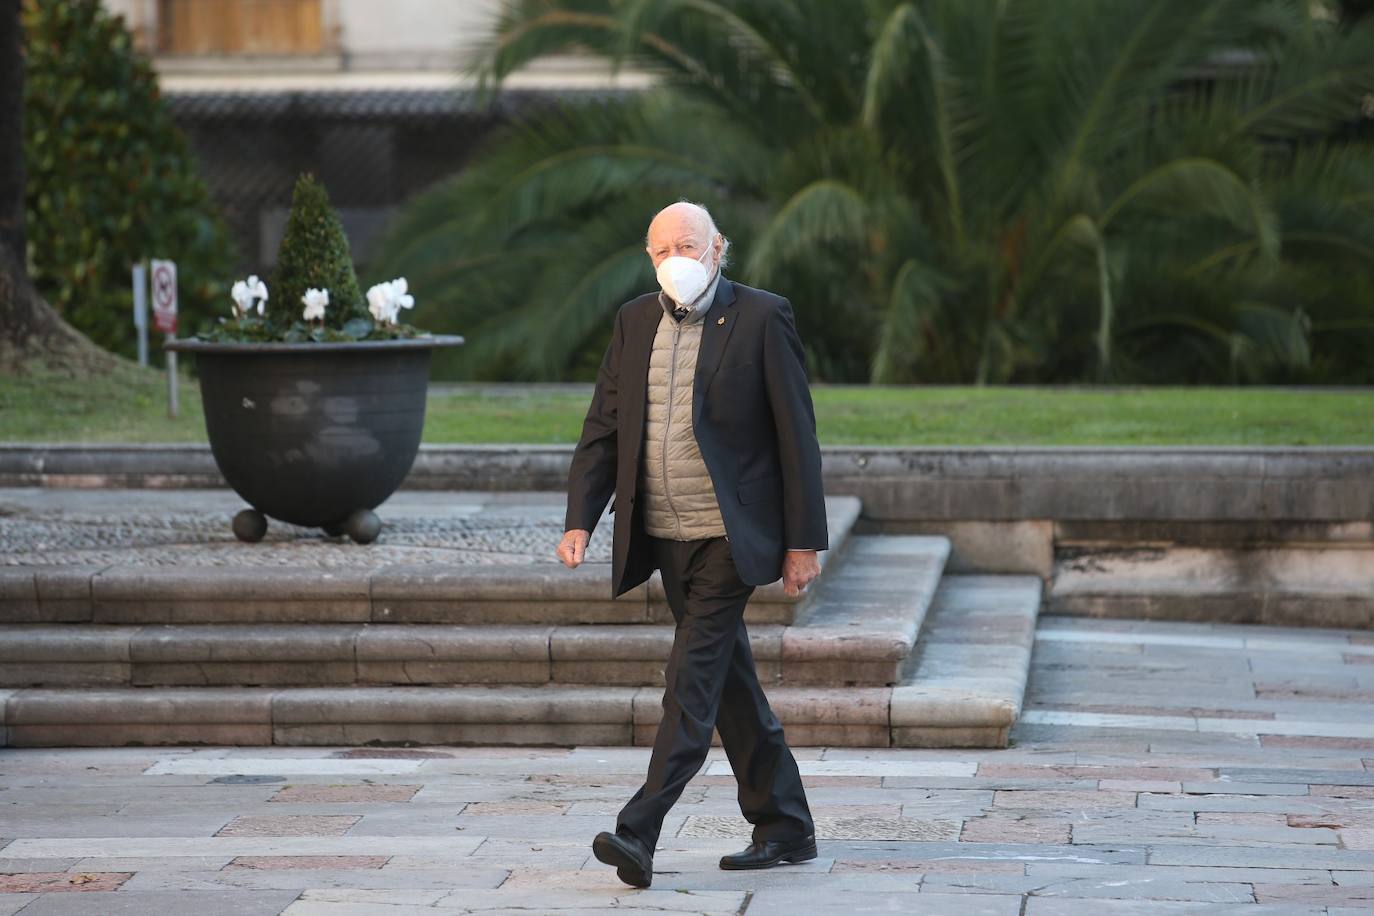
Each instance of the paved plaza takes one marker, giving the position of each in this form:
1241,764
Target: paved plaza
1157,768
168,528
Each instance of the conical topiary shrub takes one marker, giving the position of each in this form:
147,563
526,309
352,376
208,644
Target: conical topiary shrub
314,292
314,255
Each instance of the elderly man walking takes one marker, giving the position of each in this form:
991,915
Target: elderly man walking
702,425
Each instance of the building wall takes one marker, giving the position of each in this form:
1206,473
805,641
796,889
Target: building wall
380,33
377,37
401,34
380,114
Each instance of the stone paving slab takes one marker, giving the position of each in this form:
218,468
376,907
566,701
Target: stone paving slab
136,846
286,877
774,902
136,903
1049,906
337,903
1094,818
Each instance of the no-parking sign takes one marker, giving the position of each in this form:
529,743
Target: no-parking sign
165,296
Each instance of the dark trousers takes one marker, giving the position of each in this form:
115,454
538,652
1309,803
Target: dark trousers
711,684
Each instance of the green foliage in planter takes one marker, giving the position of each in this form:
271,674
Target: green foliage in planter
314,254
111,180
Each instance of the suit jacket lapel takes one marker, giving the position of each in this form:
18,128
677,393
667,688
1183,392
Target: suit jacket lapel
714,333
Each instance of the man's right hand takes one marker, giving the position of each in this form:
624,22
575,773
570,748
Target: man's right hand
573,546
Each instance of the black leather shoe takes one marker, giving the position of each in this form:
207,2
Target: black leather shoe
633,863
770,853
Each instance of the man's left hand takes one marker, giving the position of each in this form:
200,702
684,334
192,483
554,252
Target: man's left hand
799,567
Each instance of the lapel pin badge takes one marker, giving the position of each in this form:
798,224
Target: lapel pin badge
720,320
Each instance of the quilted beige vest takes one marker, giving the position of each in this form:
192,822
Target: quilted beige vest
676,492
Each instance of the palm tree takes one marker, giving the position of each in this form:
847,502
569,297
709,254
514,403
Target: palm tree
948,190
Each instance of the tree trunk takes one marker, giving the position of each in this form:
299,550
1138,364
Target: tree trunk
29,327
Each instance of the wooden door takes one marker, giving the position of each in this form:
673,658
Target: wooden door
240,27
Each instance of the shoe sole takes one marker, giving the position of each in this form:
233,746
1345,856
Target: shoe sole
626,868
798,855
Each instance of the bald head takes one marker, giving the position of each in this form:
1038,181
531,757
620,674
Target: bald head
684,229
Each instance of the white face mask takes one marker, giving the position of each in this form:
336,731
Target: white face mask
684,279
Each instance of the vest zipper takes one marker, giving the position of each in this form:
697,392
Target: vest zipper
667,424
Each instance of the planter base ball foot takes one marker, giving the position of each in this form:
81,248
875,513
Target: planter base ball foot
250,526
363,526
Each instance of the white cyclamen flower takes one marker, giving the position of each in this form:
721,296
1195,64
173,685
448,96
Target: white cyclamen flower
399,297
315,301
379,303
259,289
385,300
244,292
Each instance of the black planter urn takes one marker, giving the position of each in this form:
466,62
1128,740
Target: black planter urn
315,434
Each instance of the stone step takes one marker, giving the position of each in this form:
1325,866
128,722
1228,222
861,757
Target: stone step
964,690
864,620
1329,586
548,715
858,629
970,668
432,592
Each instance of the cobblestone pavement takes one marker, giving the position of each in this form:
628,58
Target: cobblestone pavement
1158,768
40,527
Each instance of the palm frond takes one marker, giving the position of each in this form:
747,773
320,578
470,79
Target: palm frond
911,320
1142,194
1099,74
1200,186
908,73
1308,89
825,214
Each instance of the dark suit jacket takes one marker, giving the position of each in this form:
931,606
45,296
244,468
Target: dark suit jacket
754,424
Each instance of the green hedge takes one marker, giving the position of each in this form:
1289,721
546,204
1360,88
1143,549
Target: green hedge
111,180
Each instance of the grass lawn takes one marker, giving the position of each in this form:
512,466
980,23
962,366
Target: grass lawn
131,406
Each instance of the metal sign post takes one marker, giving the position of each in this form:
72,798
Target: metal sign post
165,320
141,311
172,406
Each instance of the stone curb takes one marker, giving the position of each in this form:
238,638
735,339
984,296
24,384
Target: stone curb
1201,483
973,662
1283,586
1355,612
239,705
863,624
558,715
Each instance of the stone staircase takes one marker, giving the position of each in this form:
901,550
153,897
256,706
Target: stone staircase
885,649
